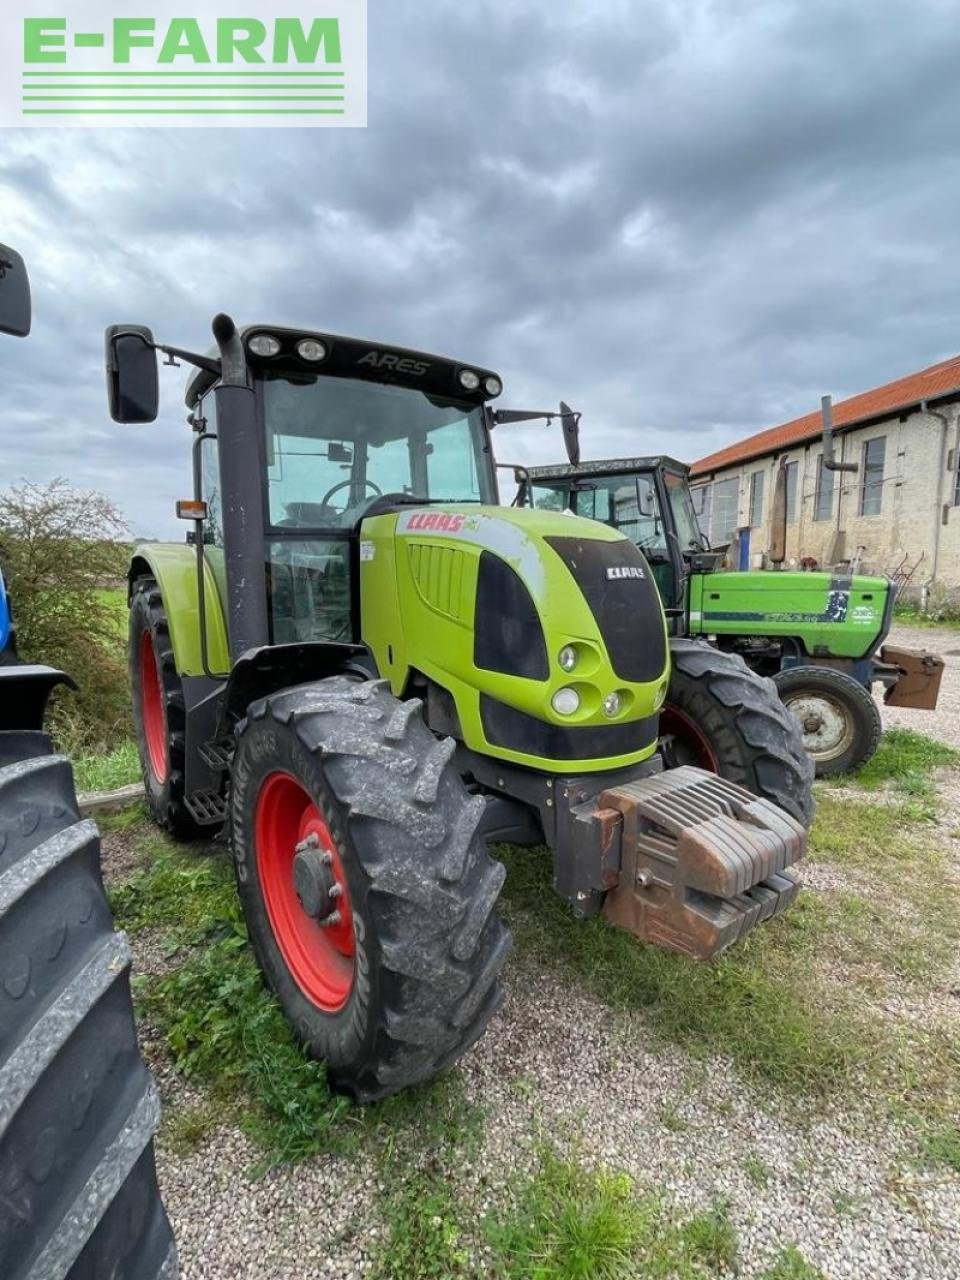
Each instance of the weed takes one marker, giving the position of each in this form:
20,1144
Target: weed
940,1144
905,758
187,1127
424,1240
758,1171
99,771
792,1265
573,1222
672,1120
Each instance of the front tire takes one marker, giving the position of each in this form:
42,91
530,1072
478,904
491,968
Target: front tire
838,717
337,785
159,720
725,718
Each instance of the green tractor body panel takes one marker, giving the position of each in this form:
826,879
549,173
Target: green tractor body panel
833,615
174,566
481,600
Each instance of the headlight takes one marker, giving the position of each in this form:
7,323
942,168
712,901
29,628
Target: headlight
567,657
264,344
612,704
492,386
311,349
565,701
469,380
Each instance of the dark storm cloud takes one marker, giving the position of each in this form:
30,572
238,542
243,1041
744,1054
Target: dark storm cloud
688,218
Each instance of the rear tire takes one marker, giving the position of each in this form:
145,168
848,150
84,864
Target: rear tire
725,718
78,1109
406,979
159,720
838,718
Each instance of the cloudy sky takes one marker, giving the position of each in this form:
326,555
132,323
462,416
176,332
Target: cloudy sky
688,218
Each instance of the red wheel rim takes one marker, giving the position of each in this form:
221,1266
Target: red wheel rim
689,736
152,709
320,957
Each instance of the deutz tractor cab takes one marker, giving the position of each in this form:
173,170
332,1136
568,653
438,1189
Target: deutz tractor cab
819,636
366,670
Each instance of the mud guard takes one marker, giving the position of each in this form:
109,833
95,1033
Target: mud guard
24,691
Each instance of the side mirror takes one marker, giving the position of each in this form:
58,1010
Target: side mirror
570,422
133,383
14,294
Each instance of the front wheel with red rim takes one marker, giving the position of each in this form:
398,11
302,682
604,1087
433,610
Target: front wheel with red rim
156,693
366,886
723,717
304,889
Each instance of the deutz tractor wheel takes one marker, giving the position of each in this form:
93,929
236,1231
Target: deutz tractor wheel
78,1109
722,716
838,717
158,710
368,892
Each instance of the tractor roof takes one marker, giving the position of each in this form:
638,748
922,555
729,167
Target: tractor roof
356,358
605,467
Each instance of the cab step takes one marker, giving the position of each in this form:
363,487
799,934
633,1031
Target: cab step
703,861
206,808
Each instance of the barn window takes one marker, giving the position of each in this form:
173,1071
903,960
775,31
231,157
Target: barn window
792,470
823,504
756,500
871,492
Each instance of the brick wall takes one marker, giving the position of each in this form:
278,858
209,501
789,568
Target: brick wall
916,486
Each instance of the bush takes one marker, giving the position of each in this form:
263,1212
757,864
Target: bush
59,546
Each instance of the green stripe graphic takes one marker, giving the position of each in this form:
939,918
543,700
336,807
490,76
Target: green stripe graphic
182,111
255,74
182,97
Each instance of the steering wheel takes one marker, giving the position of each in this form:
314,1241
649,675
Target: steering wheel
345,484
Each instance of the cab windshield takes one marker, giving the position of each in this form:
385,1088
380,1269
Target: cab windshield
336,444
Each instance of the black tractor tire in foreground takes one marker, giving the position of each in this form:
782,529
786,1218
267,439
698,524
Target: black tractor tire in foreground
159,721
838,717
78,1108
405,977
724,717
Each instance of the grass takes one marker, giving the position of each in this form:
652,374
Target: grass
105,771
217,1020
904,761
749,1004
791,1265
115,599
913,616
575,1222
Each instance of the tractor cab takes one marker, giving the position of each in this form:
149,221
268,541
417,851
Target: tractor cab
646,499
344,430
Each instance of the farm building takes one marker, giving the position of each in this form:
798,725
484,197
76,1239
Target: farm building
898,513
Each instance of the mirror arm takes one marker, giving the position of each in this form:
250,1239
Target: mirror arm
174,354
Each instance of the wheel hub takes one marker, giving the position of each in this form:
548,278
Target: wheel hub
314,881
827,729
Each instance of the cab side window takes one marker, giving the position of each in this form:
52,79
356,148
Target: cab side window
210,474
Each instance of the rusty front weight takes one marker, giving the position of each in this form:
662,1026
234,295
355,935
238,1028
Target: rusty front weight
702,860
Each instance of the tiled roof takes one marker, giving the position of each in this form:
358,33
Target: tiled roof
904,393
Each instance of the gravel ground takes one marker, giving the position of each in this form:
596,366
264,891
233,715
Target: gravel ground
944,722
557,1062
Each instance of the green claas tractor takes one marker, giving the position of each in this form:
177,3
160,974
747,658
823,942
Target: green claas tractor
819,636
366,670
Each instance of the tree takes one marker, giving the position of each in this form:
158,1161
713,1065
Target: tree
61,551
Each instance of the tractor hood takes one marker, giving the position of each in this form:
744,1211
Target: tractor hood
483,601
834,614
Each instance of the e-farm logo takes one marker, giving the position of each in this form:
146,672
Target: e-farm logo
95,63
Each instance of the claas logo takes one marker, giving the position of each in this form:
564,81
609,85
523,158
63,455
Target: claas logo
437,521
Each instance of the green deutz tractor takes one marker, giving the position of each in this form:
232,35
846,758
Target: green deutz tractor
819,636
366,670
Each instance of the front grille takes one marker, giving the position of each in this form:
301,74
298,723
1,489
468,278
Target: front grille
626,609
505,726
